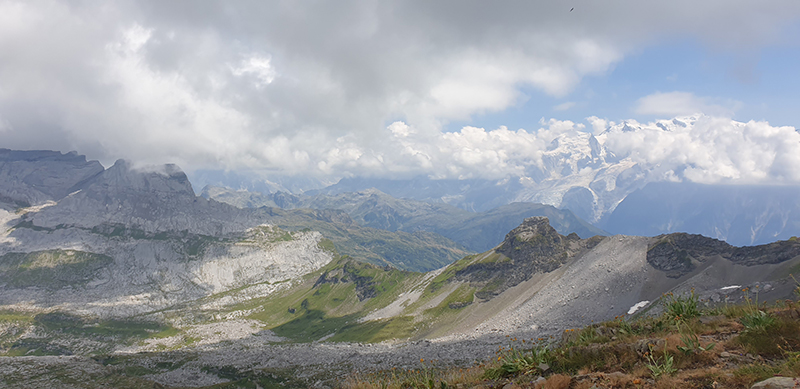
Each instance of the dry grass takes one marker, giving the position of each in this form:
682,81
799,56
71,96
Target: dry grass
557,381
428,376
738,358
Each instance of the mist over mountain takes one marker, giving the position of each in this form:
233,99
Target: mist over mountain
591,174
52,200
738,214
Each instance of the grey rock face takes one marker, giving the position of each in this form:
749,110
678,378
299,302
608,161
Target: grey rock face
151,201
33,177
129,241
679,253
533,247
113,276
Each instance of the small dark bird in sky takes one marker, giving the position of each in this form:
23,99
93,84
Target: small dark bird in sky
572,9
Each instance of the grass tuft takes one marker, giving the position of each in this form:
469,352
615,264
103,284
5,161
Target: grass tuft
681,309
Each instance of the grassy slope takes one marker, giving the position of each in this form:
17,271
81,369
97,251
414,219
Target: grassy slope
61,333
418,251
311,311
730,347
50,269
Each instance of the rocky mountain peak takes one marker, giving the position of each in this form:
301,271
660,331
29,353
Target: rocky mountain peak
37,176
534,237
531,226
151,199
678,254
123,177
533,247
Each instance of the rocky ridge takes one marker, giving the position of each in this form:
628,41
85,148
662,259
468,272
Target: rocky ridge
680,253
533,247
30,178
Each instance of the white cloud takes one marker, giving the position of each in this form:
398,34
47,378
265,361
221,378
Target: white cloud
709,149
683,103
153,83
564,106
701,149
5,126
257,66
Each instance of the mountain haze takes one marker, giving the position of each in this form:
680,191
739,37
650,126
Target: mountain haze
477,231
740,215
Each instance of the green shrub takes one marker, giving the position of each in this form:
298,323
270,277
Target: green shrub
691,343
782,336
515,361
661,366
681,308
757,320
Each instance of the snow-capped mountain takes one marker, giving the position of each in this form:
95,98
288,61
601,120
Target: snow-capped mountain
587,173
592,173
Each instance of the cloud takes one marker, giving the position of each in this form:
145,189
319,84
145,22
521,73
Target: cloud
258,67
302,88
702,149
683,103
708,149
564,106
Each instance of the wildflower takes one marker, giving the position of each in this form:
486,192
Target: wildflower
422,360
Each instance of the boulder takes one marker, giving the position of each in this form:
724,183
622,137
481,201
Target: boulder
778,383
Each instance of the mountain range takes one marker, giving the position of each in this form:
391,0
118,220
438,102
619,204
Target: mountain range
129,264
477,231
591,175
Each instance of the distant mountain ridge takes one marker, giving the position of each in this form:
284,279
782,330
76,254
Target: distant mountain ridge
373,208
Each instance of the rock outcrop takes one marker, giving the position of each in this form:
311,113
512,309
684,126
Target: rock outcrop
680,253
155,200
29,178
533,247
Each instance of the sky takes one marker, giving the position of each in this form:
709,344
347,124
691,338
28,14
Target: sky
449,89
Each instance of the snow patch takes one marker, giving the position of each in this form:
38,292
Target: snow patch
731,287
638,306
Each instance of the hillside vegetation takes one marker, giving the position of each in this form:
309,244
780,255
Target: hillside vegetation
730,346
